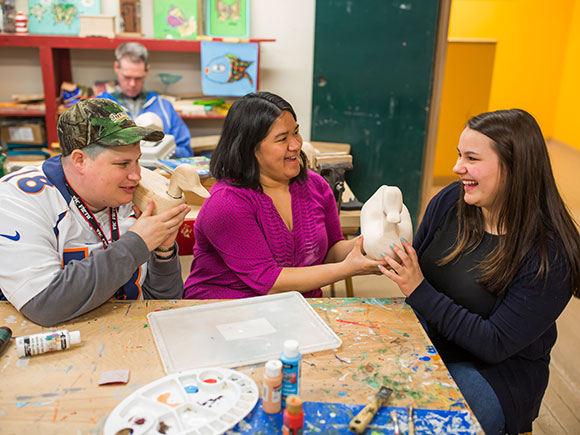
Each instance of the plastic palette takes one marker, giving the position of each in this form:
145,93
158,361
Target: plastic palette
238,332
195,402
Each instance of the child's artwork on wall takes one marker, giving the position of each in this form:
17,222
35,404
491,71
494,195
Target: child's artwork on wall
175,19
229,69
228,18
59,17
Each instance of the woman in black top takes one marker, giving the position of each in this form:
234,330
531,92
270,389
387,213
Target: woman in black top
493,264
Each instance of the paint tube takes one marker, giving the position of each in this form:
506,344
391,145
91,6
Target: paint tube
272,387
293,416
5,334
46,342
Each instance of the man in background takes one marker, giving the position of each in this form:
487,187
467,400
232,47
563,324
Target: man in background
131,67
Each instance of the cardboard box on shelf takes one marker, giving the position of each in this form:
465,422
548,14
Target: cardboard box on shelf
32,134
14,163
97,25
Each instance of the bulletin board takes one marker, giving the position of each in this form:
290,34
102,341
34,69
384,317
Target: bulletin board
373,63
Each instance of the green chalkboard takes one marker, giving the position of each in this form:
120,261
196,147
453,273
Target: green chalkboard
373,63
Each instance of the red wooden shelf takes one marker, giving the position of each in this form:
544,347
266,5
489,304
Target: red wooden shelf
54,51
13,111
208,116
101,43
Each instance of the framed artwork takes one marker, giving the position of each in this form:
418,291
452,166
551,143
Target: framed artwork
176,19
59,17
229,18
229,69
131,15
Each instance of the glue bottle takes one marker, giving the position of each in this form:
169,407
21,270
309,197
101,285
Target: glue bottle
293,416
46,342
272,387
291,369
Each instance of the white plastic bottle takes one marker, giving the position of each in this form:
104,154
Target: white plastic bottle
272,387
62,339
291,369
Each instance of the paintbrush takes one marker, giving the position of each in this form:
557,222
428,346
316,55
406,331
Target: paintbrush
360,422
397,430
411,422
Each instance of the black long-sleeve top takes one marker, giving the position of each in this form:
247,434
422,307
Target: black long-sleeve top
511,348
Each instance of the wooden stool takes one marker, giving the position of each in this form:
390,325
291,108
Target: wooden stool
348,285
349,225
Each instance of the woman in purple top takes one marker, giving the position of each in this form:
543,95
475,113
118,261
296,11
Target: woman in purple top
270,225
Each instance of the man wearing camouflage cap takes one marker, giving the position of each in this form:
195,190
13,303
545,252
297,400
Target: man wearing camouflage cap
70,238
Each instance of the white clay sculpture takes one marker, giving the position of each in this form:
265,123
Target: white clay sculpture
384,219
167,193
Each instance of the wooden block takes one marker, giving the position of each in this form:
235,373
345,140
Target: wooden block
192,198
167,193
331,147
97,25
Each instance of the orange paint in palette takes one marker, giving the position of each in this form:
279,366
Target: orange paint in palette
208,401
163,398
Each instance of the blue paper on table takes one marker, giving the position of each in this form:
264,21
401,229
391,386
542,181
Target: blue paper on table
333,418
201,164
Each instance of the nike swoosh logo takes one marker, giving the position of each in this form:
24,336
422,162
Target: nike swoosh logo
15,237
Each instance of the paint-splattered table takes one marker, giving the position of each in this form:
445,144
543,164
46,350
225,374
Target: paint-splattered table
382,344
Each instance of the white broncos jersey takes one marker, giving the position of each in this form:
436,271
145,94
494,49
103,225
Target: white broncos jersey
41,230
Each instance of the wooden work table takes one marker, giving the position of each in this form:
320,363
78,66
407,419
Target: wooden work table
58,392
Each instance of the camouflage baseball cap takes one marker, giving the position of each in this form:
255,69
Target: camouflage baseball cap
100,121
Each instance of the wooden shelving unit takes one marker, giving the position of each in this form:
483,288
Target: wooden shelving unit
54,52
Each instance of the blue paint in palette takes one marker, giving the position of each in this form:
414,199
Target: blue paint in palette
333,419
191,389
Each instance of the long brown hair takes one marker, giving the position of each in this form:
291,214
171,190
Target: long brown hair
531,213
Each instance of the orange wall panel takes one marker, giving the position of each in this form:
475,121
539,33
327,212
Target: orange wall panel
567,114
466,92
532,38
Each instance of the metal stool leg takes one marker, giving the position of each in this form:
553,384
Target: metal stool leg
349,289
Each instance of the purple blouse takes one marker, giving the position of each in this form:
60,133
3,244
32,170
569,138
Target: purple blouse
242,243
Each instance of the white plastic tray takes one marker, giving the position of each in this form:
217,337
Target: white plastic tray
196,402
238,332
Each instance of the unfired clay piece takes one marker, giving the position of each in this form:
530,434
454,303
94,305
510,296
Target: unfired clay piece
167,193
384,219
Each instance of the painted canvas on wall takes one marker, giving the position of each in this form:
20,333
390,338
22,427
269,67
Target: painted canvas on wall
229,69
228,18
59,17
175,19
